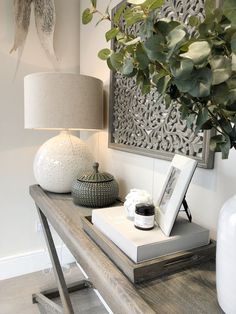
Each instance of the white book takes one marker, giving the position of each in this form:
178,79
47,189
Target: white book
140,245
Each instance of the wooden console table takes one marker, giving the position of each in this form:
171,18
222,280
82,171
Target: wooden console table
191,290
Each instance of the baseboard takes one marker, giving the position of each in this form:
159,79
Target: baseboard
30,262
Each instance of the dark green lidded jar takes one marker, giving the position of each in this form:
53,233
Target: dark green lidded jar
95,189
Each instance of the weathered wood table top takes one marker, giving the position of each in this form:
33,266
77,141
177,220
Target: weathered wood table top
189,291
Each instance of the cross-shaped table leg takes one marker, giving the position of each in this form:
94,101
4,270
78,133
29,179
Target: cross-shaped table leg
62,288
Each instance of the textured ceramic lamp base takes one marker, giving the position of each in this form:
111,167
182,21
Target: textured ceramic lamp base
226,257
59,161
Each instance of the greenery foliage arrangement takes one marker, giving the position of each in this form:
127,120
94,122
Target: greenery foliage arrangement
193,64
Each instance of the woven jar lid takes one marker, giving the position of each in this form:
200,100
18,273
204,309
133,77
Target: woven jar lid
96,176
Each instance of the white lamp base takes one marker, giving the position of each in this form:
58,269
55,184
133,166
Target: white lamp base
59,161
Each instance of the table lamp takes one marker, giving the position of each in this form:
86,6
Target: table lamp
62,101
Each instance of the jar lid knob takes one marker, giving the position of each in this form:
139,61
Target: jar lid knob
95,167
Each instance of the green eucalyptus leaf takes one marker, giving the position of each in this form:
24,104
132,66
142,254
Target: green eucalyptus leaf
165,26
220,94
94,3
142,57
158,76
87,16
229,114
121,38
231,83
146,88
198,84
127,67
112,33
130,50
225,147
146,29
232,96
215,140
229,10
194,21
118,14
210,6
154,43
117,60
184,85
154,48
198,52
167,100
151,5
175,37
152,68
184,112
233,43
206,28
202,83
190,119
218,14
225,125
110,66
133,16
202,118
182,68
185,101
145,85
104,54
140,77
221,69
163,84
133,73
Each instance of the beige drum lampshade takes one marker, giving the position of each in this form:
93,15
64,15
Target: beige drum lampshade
63,101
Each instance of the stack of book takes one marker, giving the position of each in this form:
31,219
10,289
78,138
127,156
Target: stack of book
141,245
145,255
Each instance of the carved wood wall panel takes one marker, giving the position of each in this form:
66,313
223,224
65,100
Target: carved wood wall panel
142,124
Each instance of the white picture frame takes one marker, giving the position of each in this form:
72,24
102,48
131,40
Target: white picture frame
174,189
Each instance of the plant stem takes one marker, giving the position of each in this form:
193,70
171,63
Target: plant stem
221,130
104,17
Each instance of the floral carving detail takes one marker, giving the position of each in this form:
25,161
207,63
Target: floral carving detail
143,121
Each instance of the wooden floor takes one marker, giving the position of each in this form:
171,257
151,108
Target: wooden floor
16,293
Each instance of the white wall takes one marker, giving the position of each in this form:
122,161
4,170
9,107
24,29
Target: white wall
209,188
18,217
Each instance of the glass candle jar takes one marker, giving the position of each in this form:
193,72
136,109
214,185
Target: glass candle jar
144,216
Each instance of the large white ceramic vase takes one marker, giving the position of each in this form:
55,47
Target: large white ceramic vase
226,257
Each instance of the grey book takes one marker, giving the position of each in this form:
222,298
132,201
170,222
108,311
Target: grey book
141,245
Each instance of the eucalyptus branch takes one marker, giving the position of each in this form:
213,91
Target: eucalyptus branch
104,16
198,67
